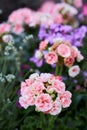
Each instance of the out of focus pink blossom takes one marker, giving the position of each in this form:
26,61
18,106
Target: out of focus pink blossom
17,29
4,28
77,3
47,7
84,10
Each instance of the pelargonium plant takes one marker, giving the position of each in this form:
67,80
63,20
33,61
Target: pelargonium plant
61,53
47,93
61,12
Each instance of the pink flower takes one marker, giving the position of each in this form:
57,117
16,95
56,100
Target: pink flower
23,86
46,77
41,18
29,82
34,76
85,10
65,99
58,86
27,92
78,54
51,79
74,71
46,92
38,87
69,61
25,101
64,50
4,28
79,57
78,3
43,102
74,51
47,7
56,108
58,18
20,16
78,87
16,17
59,78
50,89
51,58
43,45
27,96
65,8
17,29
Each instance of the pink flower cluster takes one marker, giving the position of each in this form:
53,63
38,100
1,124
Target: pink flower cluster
16,28
48,13
29,17
4,28
46,92
62,53
60,12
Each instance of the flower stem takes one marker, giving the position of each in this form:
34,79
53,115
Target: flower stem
56,70
51,120
61,69
43,123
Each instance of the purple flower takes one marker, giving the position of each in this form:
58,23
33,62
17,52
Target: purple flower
18,104
66,32
25,66
85,73
38,62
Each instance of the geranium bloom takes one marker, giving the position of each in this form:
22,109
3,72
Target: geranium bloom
43,102
47,6
51,58
38,87
46,92
43,45
4,28
65,99
61,52
78,3
74,71
56,108
79,57
26,101
23,102
20,16
85,10
17,29
69,61
64,50
58,86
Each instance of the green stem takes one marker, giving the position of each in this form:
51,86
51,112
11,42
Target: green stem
26,74
56,70
43,123
61,69
51,120
4,68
